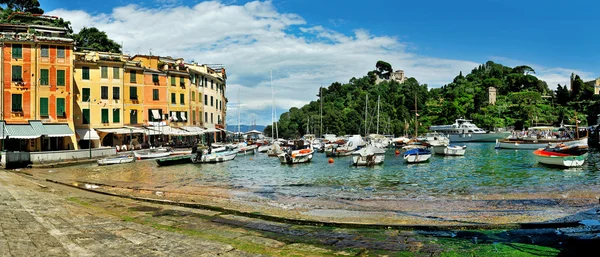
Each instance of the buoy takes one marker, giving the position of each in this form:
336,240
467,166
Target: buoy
397,152
330,160
250,158
139,158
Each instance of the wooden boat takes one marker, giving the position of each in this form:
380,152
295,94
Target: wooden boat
417,155
559,159
368,156
450,150
116,160
173,160
537,144
150,155
247,149
215,157
296,156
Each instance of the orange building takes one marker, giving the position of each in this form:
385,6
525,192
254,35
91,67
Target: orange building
37,65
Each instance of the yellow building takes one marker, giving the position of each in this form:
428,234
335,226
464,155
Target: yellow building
195,91
99,97
596,84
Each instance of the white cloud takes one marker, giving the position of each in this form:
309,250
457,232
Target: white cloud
252,38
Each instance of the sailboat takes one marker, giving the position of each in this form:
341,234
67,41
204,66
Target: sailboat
275,149
417,155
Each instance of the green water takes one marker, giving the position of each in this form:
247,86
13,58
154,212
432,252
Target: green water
483,170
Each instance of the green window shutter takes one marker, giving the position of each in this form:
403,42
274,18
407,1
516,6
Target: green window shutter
116,93
85,94
104,72
44,106
17,73
104,115
17,102
86,116
44,76
60,107
193,96
85,73
173,98
155,95
116,115
17,51
133,93
181,99
60,77
182,81
155,78
132,76
172,81
194,116
104,92
116,73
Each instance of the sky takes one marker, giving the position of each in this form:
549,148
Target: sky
306,44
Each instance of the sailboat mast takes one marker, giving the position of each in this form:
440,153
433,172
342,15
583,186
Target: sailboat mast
366,104
378,97
416,119
273,103
321,111
239,111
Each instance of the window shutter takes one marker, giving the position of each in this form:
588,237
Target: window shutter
60,107
44,106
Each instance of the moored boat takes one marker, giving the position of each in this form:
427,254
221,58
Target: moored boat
296,156
116,160
368,156
464,131
533,144
173,160
559,159
150,155
450,150
215,157
417,155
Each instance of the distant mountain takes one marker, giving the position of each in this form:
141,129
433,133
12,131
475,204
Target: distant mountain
245,128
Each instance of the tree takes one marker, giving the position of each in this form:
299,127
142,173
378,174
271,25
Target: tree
523,69
30,6
94,39
383,69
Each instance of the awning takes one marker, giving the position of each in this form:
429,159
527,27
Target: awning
86,134
193,130
121,130
155,114
38,127
21,131
211,130
174,116
183,116
58,130
3,133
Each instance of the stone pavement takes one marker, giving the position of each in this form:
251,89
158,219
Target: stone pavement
34,223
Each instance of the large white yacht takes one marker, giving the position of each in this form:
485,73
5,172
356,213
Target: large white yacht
464,131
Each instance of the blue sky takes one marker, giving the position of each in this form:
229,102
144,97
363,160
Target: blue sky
308,43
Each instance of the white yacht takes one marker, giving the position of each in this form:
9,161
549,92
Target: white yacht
464,131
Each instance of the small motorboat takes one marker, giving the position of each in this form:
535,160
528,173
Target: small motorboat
417,155
264,148
176,159
368,156
116,160
246,149
559,159
150,155
214,157
450,150
296,156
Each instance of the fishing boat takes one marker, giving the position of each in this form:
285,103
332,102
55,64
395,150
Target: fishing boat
116,160
559,159
435,138
417,155
346,149
296,156
449,150
464,131
215,157
368,156
174,160
150,155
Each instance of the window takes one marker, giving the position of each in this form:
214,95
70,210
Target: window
60,52
173,98
44,106
60,107
132,76
116,115
181,99
60,77
104,115
104,93
85,73
193,96
155,95
86,116
17,51
104,72
193,117
116,93
45,51
205,100
155,78
17,75
85,94
133,117
17,103
205,116
133,93
44,77
182,81
211,101
211,118
172,81
205,82
116,73
211,84
219,119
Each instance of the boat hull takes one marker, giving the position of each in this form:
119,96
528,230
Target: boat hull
416,158
449,150
532,145
368,160
218,157
561,161
174,160
296,157
151,155
116,160
478,137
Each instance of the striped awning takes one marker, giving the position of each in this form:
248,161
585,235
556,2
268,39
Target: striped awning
121,130
3,133
87,134
58,130
193,130
21,131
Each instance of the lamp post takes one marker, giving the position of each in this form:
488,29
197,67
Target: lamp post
90,125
